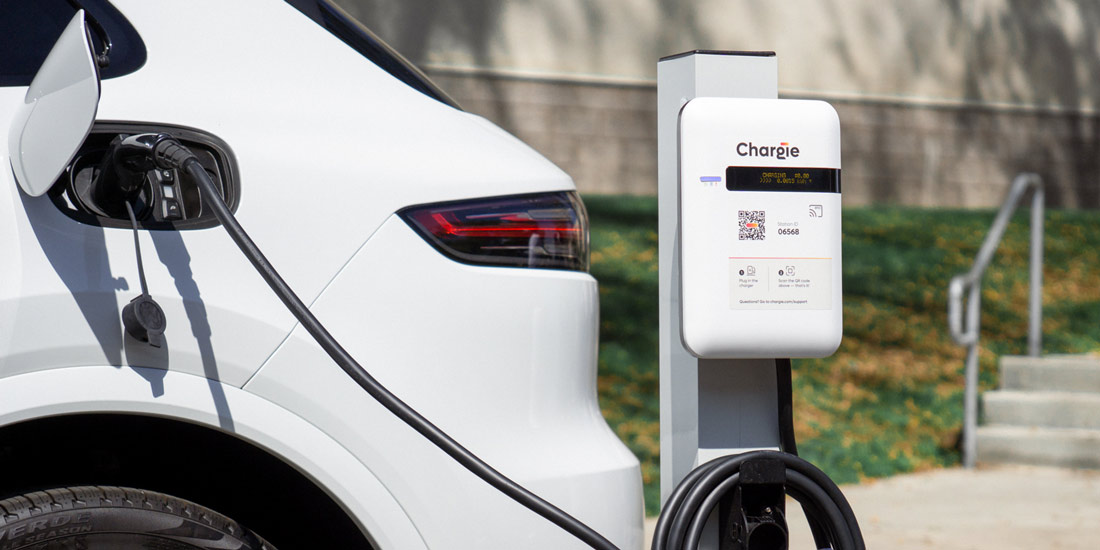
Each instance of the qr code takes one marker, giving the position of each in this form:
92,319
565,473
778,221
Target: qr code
751,225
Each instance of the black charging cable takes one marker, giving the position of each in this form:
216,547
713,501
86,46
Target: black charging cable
685,513
681,524
170,154
785,397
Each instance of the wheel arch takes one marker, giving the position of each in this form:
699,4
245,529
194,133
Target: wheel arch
197,439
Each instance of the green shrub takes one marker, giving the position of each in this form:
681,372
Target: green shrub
890,400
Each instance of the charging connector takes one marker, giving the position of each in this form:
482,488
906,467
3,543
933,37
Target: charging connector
121,174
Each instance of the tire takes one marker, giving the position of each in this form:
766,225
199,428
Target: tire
117,518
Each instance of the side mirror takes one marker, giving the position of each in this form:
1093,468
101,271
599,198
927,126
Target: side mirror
57,112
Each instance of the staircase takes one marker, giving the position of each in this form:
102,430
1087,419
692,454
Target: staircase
1047,412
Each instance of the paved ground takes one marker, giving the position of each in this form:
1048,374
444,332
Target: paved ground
991,508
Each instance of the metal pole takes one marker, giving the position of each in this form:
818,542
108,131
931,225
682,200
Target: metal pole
1035,300
970,398
709,407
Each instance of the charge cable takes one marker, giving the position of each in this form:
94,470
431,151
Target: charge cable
696,495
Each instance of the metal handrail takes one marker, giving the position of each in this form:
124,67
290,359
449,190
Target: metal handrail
965,324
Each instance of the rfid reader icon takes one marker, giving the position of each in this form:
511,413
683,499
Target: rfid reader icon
816,211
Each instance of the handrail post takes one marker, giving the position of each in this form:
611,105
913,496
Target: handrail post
1035,299
966,327
970,397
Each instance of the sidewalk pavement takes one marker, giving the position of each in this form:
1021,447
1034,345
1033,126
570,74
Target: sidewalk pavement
990,508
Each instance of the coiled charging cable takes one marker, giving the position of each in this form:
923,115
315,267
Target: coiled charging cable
685,514
678,529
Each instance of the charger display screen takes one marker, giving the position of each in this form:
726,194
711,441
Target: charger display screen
812,180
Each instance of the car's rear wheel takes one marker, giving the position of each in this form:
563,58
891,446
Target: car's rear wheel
117,518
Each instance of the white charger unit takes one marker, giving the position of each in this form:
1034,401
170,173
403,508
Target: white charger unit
760,228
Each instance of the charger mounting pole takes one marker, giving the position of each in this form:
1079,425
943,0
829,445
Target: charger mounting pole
709,407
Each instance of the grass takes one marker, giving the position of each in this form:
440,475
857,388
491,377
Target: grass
890,400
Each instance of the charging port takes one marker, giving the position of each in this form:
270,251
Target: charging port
161,199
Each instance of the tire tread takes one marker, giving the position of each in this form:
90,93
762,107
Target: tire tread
30,505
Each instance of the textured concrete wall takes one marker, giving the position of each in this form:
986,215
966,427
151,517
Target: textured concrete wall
604,135
942,101
965,155
1020,52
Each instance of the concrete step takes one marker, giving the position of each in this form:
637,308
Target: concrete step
1063,447
1068,373
1042,409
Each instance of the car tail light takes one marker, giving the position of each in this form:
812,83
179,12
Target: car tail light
547,230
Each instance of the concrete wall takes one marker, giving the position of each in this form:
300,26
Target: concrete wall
604,136
941,101
1032,52
965,156
920,154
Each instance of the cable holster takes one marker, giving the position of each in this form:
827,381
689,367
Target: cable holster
754,515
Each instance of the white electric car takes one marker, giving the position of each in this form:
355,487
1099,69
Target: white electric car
447,256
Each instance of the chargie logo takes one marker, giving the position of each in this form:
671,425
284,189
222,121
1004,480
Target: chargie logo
781,151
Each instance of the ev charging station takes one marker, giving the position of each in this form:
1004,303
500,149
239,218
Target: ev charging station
750,256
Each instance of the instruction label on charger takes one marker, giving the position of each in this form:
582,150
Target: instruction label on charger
780,283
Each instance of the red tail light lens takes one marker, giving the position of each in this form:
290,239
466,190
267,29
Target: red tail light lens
547,230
